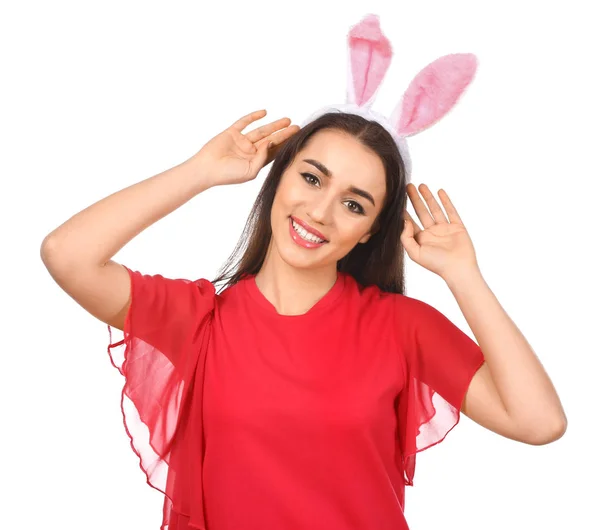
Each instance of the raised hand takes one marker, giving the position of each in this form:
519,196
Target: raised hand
233,157
443,246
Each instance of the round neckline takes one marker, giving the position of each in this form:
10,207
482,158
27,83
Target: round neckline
323,303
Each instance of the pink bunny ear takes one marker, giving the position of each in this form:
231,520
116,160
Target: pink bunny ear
370,56
433,92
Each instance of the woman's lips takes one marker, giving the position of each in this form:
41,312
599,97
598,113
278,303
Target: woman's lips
303,242
308,228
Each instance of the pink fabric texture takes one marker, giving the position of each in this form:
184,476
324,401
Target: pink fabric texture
370,57
433,92
431,95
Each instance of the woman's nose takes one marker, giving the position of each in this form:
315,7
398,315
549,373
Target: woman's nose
321,211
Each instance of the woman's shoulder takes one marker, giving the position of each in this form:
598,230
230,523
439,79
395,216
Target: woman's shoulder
373,296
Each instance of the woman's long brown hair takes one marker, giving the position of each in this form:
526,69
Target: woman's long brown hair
379,261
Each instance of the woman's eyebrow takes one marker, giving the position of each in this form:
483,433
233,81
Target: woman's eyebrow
319,166
327,173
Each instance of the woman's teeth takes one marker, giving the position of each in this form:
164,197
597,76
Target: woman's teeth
306,235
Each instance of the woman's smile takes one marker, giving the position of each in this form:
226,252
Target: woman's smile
304,238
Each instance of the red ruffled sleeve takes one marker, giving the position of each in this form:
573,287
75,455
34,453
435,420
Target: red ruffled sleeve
440,361
161,357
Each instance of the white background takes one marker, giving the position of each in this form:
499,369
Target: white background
98,96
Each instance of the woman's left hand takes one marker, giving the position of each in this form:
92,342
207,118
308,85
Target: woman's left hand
443,246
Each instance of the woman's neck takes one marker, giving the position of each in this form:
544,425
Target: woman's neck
293,290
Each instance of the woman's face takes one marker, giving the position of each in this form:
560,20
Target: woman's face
336,187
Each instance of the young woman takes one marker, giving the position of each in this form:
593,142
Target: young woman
299,395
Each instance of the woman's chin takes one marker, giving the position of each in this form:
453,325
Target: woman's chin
304,259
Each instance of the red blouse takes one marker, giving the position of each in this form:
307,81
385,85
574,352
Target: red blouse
245,418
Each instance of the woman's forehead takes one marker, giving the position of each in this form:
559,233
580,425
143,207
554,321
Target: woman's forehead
339,154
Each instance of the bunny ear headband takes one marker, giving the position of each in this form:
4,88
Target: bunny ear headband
429,96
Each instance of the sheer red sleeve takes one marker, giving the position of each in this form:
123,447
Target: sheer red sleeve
164,336
440,360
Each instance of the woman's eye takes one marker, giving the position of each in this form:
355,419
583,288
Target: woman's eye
308,176
359,209
355,207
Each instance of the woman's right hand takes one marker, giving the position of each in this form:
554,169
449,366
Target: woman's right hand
232,157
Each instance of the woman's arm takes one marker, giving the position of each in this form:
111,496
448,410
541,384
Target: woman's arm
512,374
511,393
97,233
78,253
94,235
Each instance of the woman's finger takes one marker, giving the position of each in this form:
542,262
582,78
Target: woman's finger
280,137
264,155
245,144
419,206
242,123
267,129
436,211
450,209
408,239
415,225
277,141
